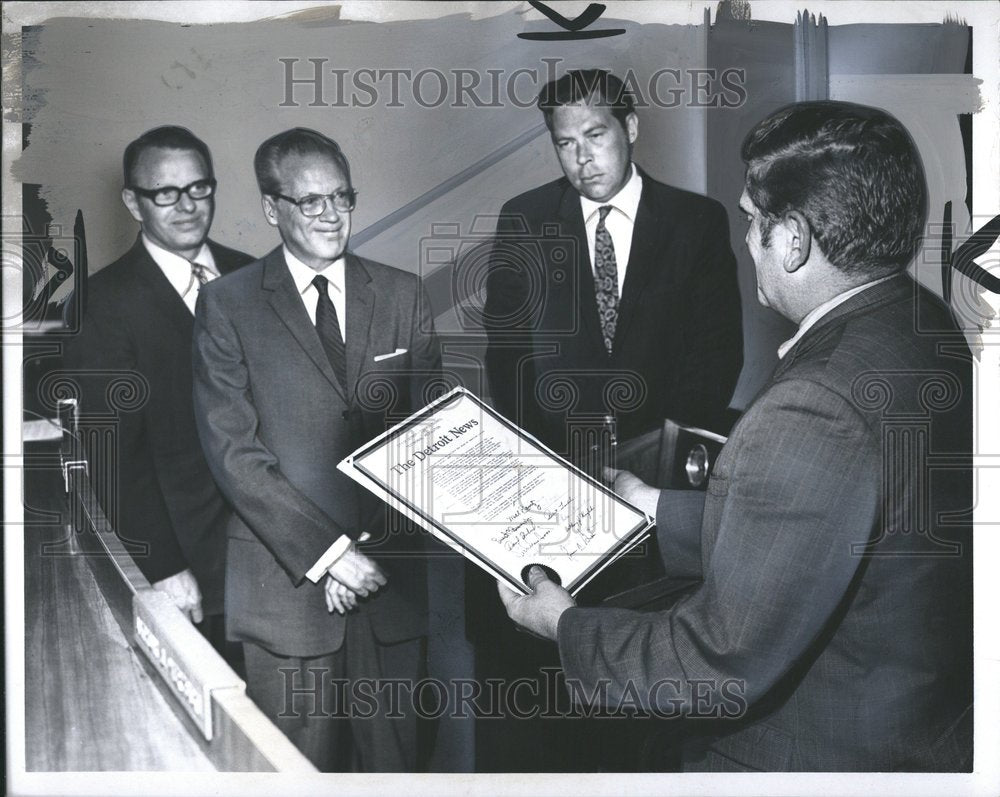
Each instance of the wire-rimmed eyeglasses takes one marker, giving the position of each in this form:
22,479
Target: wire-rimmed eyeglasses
315,204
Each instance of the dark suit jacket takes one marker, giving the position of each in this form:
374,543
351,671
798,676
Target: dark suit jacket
166,499
837,561
678,345
275,422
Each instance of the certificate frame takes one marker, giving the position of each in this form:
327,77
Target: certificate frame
354,466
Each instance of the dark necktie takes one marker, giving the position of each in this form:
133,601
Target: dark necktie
606,279
328,328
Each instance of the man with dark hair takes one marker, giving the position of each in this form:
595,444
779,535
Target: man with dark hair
167,137
138,322
612,303
642,322
584,85
300,358
832,629
785,172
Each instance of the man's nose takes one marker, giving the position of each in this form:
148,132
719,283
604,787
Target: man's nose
330,214
185,204
582,154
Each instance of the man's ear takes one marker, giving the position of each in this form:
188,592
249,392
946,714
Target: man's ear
270,209
132,203
798,240
632,127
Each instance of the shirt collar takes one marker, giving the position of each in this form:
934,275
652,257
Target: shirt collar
303,275
817,313
170,261
626,201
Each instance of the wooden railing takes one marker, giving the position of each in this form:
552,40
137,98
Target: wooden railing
234,734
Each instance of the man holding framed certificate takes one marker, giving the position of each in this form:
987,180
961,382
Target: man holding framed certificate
832,629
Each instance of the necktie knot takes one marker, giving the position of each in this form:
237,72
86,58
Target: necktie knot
200,272
604,210
321,284
200,275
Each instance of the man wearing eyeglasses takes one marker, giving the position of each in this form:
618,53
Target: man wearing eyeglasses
162,501
300,358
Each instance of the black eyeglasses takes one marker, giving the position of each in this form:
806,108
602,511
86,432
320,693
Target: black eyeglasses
315,204
170,194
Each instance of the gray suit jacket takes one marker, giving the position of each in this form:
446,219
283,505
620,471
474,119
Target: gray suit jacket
274,422
833,627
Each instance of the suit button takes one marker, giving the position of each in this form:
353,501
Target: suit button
345,414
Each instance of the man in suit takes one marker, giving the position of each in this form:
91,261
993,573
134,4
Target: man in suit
300,358
139,319
832,629
612,303
609,294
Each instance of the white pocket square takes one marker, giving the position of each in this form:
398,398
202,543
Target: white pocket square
379,357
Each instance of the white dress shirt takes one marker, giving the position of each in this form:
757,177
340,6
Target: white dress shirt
177,270
619,222
303,276
817,313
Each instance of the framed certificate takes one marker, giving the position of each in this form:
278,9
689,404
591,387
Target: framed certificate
496,495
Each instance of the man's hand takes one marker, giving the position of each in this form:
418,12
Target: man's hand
183,590
540,611
338,597
633,489
357,572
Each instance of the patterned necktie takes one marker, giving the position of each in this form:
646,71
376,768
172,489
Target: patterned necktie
201,273
328,328
199,276
606,279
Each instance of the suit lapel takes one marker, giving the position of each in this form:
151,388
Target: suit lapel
224,261
571,224
161,293
286,302
359,306
649,233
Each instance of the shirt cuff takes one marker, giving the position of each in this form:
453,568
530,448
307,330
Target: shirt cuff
332,554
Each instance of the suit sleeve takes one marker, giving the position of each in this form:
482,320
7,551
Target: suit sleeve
293,528
102,353
678,531
804,485
714,357
508,323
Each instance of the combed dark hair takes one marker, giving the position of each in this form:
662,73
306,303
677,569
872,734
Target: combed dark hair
580,85
297,141
852,171
166,137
